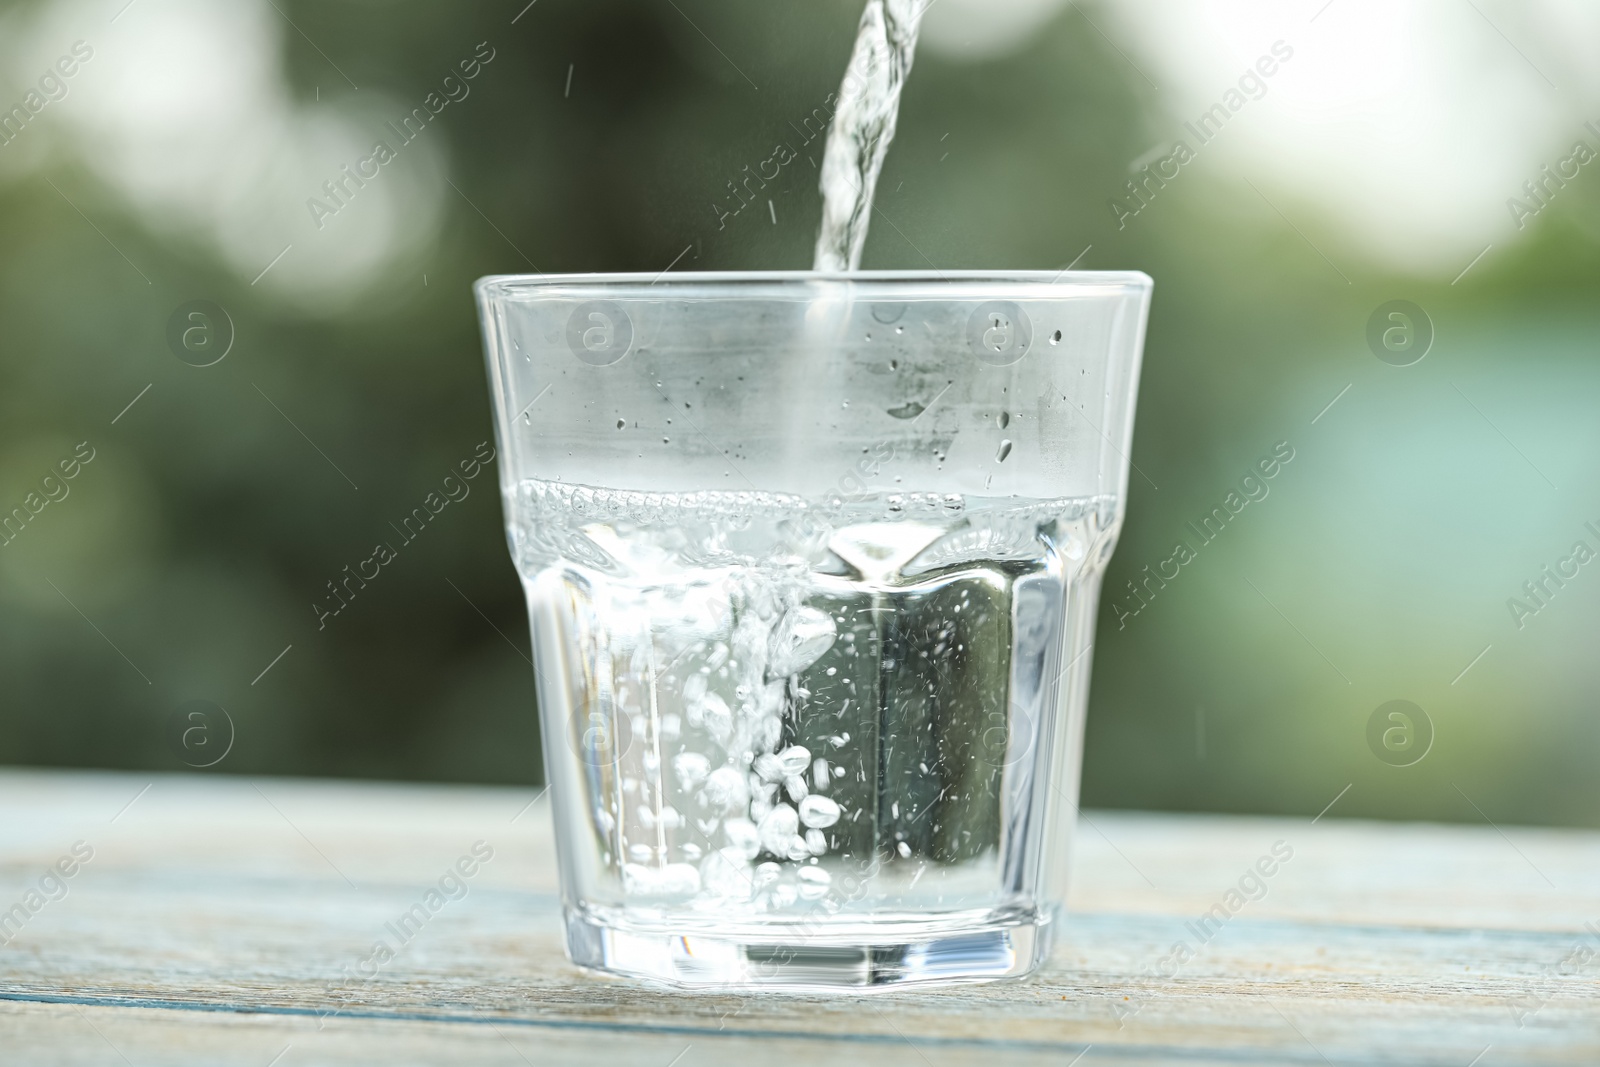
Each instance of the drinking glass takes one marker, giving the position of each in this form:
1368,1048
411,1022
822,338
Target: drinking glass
812,564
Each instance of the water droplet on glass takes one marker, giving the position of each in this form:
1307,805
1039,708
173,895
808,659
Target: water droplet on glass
1005,450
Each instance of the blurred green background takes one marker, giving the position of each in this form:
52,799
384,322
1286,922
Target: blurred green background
1377,163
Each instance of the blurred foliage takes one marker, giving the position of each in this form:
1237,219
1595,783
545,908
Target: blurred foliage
187,553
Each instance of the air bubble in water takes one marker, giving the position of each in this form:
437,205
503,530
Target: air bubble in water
726,790
814,875
1005,450
1005,419
794,759
694,689
799,640
818,812
675,879
742,837
778,828
718,719
691,769
768,768
724,873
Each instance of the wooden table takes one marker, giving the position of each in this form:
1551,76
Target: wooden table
232,921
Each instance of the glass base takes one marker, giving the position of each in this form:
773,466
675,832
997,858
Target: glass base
796,956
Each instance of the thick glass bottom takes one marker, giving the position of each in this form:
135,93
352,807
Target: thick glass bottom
860,956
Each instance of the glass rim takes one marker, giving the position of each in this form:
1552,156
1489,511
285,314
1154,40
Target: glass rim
509,284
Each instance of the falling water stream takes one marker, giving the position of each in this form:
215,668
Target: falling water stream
863,125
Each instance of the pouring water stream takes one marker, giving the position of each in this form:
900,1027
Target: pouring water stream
863,125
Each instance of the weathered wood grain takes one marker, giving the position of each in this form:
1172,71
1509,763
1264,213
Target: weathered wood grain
222,920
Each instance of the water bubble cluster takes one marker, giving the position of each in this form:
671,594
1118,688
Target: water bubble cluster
731,639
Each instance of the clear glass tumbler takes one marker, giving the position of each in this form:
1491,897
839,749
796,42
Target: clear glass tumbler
812,564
